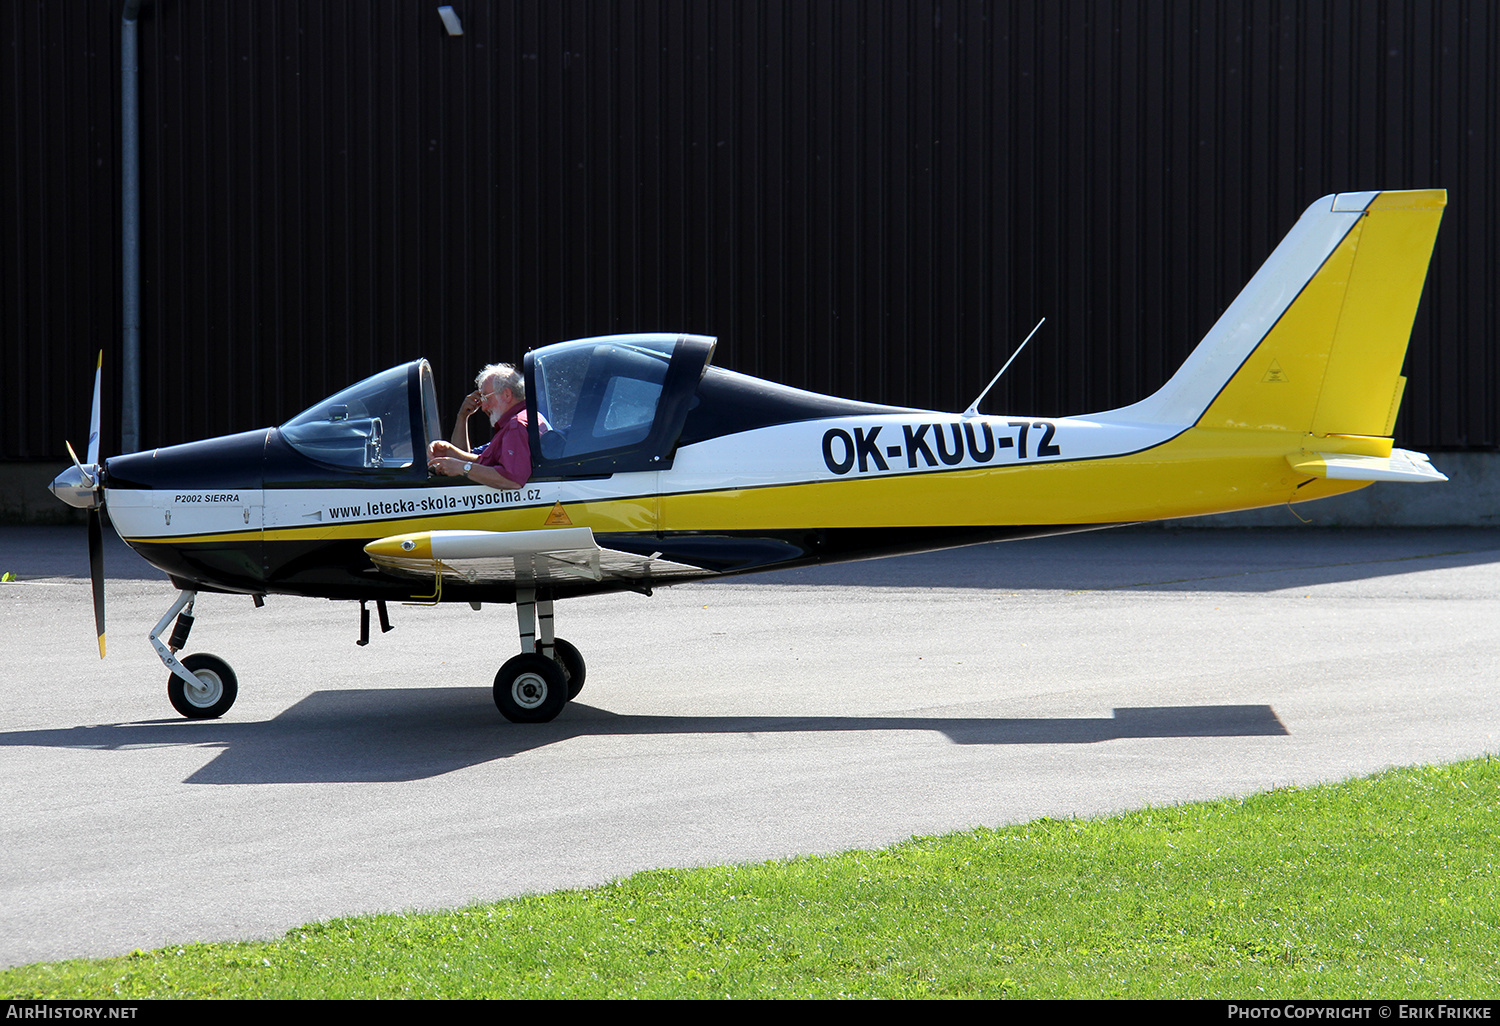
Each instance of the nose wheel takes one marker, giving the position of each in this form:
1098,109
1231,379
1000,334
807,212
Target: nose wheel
202,686
215,692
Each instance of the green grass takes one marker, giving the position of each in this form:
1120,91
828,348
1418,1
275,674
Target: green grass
1384,887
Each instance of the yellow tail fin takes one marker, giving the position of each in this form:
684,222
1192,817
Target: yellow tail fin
1330,365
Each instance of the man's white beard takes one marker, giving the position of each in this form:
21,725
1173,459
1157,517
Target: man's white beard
495,415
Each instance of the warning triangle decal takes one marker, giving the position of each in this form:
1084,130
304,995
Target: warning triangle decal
1275,374
558,517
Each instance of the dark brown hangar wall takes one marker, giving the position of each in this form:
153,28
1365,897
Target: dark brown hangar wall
876,199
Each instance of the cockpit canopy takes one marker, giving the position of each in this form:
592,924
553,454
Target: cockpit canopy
383,423
612,404
598,406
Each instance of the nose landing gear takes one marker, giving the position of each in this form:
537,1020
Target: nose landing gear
202,686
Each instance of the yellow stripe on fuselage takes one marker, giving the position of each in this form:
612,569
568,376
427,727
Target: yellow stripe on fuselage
1198,472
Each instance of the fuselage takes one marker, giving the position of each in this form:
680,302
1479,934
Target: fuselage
1292,395
256,513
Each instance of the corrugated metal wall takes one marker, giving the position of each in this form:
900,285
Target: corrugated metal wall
875,199
59,220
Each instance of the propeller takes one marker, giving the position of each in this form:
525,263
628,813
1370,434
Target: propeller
81,485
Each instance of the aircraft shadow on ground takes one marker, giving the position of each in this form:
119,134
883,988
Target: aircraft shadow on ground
414,734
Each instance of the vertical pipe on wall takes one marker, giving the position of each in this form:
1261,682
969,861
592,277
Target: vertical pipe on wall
130,232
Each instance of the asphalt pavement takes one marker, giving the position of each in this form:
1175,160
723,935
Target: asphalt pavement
806,711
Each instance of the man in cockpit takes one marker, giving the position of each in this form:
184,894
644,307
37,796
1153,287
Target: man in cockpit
505,462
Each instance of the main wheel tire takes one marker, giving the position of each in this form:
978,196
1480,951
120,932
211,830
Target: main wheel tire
571,660
220,691
531,688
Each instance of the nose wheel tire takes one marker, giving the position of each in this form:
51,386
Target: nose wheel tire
571,660
214,698
531,688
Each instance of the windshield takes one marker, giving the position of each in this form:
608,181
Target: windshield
368,425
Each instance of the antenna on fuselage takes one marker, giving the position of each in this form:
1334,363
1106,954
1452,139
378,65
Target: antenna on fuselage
973,410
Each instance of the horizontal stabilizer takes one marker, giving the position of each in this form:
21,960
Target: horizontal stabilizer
1400,465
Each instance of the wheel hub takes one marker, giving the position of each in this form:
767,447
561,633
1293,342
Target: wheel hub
207,692
529,690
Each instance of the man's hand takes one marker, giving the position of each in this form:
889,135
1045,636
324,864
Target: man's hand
453,466
472,402
446,466
447,460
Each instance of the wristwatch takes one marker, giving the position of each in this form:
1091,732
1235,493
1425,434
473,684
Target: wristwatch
467,467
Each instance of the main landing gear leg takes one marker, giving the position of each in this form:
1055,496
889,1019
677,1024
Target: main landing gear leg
202,687
534,686
561,652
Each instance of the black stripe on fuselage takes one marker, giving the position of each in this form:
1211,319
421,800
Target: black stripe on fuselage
250,460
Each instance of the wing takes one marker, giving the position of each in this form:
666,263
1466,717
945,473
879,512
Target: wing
549,556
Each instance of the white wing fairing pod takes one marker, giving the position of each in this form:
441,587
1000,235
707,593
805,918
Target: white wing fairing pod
546,556
446,545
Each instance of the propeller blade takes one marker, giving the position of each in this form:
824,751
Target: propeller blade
96,574
94,417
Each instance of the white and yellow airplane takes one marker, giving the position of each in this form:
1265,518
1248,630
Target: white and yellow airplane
651,466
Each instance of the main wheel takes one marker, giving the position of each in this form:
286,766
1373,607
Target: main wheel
531,688
571,661
217,695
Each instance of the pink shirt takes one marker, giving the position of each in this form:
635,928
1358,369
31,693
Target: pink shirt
509,450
